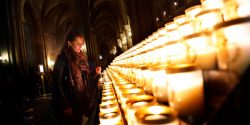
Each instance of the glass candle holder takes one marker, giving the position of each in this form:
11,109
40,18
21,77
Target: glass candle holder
134,103
233,48
128,94
201,48
186,94
187,28
108,106
147,81
207,19
156,115
180,19
170,26
212,4
110,118
174,35
192,11
159,83
234,9
175,53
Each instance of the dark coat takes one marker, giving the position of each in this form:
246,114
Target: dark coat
65,95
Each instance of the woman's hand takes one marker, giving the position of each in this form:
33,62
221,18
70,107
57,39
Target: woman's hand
98,70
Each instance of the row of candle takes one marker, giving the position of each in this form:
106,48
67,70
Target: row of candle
169,63
110,112
138,107
204,35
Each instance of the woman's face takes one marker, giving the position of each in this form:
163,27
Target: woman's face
77,44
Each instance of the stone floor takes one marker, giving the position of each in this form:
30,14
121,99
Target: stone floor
40,113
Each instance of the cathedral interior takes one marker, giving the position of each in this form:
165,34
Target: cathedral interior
33,32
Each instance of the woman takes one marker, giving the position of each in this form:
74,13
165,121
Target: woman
71,98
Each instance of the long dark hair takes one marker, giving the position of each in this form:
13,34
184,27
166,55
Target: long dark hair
70,37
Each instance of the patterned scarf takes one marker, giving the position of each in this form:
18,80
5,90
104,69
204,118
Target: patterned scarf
77,65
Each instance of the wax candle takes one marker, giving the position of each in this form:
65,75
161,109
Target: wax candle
157,114
233,48
207,19
212,4
134,103
110,118
159,83
192,11
108,106
201,49
180,19
186,93
234,9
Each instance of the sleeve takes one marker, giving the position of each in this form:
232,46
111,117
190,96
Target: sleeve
59,88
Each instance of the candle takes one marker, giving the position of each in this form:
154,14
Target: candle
159,83
110,118
171,25
108,106
236,9
134,103
207,19
187,28
233,48
174,35
41,69
186,90
156,114
192,11
180,19
212,4
147,81
201,48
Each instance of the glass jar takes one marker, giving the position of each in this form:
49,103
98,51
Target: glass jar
110,118
234,9
134,103
156,115
192,11
207,19
186,94
180,19
201,50
232,39
159,83
212,4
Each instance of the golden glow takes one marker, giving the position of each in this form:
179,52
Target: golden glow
41,69
186,92
50,63
192,11
208,19
4,57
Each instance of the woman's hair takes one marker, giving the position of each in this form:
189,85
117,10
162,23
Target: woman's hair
70,37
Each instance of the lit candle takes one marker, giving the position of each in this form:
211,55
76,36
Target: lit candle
134,103
187,28
110,118
236,9
192,11
201,49
233,48
159,83
186,90
180,19
41,69
207,19
147,80
212,4
108,106
156,114
171,25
